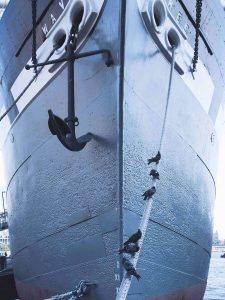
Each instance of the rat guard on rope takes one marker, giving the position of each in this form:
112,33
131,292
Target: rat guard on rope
65,129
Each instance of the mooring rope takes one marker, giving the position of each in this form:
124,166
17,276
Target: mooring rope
167,99
80,291
126,282
62,296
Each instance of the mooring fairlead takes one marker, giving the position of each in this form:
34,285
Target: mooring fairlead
81,290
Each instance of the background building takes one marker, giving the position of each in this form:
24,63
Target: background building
4,243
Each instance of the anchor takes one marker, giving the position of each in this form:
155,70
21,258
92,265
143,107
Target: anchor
65,129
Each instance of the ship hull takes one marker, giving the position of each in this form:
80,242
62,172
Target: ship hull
69,212
194,292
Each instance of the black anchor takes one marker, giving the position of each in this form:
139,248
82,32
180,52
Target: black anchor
65,129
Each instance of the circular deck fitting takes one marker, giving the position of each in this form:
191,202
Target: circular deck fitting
172,39
158,14
59,40
78,14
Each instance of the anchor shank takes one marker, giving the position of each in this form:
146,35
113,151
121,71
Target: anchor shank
71,99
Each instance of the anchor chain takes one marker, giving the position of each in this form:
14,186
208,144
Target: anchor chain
126,282
197,34
34,41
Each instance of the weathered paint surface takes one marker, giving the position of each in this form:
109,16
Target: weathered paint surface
177,247
73,197
69,211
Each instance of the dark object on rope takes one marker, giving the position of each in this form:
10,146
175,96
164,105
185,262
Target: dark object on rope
128,266
131,248
149,193
134,238
155,159
34,42
154,174
197,34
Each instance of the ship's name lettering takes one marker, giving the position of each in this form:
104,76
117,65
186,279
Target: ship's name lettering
179,17
186,28
53,15
170,4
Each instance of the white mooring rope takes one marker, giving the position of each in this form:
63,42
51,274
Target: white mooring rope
126,282
63,296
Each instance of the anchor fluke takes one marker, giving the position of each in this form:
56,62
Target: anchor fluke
65,134
57,125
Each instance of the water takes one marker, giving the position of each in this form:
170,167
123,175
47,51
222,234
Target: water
216,281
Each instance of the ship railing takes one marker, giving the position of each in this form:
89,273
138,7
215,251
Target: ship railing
3,220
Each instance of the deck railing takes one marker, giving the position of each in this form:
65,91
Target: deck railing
3,221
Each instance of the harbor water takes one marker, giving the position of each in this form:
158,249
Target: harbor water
216,281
